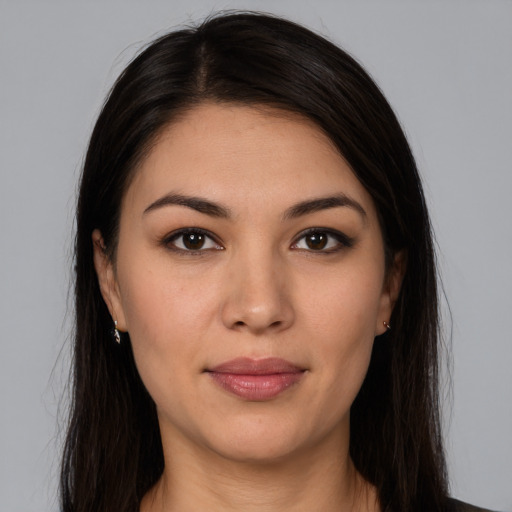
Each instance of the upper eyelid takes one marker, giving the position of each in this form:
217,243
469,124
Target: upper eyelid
329,231
180,232
338,235
177,232
343,241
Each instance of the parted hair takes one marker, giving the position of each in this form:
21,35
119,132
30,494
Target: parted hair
113,451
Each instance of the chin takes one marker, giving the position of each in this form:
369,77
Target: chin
258,451
258,441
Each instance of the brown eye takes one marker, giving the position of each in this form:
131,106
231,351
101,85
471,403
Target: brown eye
316,241
193,241
323,241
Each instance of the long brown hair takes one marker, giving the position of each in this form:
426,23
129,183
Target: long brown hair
113,452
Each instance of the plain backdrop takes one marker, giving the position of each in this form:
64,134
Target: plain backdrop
445,66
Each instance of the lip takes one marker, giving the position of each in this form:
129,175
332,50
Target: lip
256,379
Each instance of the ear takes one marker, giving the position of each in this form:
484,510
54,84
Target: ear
107,280
391,291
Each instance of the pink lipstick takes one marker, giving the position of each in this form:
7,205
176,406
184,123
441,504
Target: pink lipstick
256,379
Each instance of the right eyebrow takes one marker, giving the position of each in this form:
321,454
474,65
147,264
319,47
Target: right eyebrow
195,203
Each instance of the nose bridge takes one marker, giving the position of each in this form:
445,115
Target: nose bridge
258,298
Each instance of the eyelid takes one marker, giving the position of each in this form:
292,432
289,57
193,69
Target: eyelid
168,240
344,241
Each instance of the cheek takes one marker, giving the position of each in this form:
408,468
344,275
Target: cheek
342,320
161,301
167,315
345,303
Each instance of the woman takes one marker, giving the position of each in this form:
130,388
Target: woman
257,320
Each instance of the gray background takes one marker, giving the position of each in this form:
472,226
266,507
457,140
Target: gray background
446,67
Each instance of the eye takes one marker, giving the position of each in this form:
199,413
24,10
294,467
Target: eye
191,240
322,240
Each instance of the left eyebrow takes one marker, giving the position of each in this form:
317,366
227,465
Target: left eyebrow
323,203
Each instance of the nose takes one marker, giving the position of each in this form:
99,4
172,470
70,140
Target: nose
259,295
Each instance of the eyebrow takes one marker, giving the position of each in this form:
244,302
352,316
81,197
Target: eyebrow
216,210
195,203
323,203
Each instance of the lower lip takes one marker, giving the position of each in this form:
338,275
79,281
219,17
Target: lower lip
256,387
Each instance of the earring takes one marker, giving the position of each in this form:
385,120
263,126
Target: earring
117,335
386,325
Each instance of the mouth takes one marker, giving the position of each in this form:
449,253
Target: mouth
256,379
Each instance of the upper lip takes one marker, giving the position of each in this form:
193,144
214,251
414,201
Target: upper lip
248,366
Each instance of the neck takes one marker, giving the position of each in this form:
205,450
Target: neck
318,478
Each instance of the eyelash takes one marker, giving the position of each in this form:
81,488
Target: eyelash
169,241
343,241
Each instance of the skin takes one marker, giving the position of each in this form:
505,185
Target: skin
255,289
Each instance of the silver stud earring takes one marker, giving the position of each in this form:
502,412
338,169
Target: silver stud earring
117,335
386,325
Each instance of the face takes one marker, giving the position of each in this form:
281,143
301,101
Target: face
250,276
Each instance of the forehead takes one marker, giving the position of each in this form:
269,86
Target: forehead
240,155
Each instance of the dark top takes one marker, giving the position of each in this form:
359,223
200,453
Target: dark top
458,506
453,505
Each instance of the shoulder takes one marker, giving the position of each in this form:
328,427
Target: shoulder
459,506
